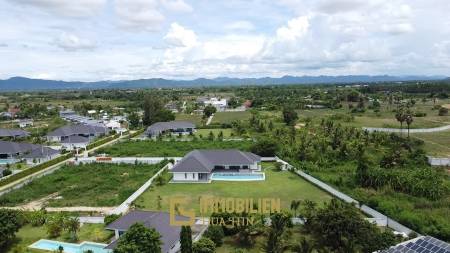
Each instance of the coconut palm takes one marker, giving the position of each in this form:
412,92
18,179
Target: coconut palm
295,204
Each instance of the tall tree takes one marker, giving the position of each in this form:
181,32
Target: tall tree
10,222
154,111
409,120
278,224
209,110
295,204
186,239
139,239
289,115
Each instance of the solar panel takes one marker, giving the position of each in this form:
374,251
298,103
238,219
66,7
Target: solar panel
426,244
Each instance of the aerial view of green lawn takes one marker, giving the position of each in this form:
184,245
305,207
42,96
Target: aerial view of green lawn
169,148
228,117
84,185
278,184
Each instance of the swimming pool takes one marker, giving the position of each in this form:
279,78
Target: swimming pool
7,161
223,176
70,247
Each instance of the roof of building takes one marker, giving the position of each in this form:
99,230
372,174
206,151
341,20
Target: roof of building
30,150
160,221
75,139
159,127
423,244
205,160
13,133
78,129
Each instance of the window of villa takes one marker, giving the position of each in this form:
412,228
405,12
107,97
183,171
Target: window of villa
219,167
245,167
185,175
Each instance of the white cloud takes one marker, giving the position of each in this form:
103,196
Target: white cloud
176,5
294,29
71,8
179,36
71,42
241,25
139,14
396,29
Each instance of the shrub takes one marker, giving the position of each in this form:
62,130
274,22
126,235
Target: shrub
443,111
204,245
216,234
6,172
111,218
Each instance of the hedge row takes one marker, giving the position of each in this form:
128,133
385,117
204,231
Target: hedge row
102,141
34,169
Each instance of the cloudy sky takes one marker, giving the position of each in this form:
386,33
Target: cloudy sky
182,39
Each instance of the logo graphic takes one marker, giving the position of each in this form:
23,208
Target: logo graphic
175,209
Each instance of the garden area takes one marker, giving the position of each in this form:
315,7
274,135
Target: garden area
102,185
228,117
278,184
150,148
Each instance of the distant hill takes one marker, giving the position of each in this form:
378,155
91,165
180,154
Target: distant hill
22,83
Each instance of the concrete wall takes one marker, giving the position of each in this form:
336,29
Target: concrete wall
439,161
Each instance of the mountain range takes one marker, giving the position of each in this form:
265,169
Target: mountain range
23,83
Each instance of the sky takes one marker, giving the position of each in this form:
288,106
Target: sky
91,40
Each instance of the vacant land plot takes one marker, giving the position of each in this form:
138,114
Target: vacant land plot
205,132
169,148
436,144
194,118
283,185
84,185
228,117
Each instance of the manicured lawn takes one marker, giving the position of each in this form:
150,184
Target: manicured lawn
169,148
205,132
283,185
27,235
84,185
228,117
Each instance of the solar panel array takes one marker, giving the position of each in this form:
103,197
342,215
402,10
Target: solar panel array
426,244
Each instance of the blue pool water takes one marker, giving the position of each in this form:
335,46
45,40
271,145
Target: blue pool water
70,247
238,176
6,161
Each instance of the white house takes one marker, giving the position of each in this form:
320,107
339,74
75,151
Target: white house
219,104
75,142
198,165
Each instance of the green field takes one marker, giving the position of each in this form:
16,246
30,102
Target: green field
169,148
205,132
283,185
27,235
436,144
84,185
194,118
228,117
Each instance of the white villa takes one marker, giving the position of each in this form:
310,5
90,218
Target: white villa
199,165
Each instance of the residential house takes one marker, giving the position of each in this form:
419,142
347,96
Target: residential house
160,221
421,244
199,165
88,131
13,133
170,127
15,151
25,123
75,142
219,103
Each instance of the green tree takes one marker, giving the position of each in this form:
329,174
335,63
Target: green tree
186,239
295,204
154,111
289,116
279,222
265,147
303,246
72,225
139,239
134,119
204,245
409,120
10,223
209,110
216,234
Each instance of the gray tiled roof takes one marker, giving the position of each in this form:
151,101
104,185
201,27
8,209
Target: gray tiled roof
13,133
78,129
75,139
205,160
159,127
423,244
26,149
170,235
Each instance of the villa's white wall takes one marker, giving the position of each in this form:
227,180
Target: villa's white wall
54,138
181,176
72,146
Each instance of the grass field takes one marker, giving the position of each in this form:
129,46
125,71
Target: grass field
436,144
283,185
84,185
169,148
194,118
228,117
27,235
205,132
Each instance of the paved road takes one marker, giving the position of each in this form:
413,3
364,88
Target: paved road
209,119
404,130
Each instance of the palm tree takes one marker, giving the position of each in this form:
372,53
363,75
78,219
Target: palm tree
295,204
72,225
400,116
409,120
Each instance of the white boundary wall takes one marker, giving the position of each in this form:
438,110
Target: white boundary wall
404,130
438,161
